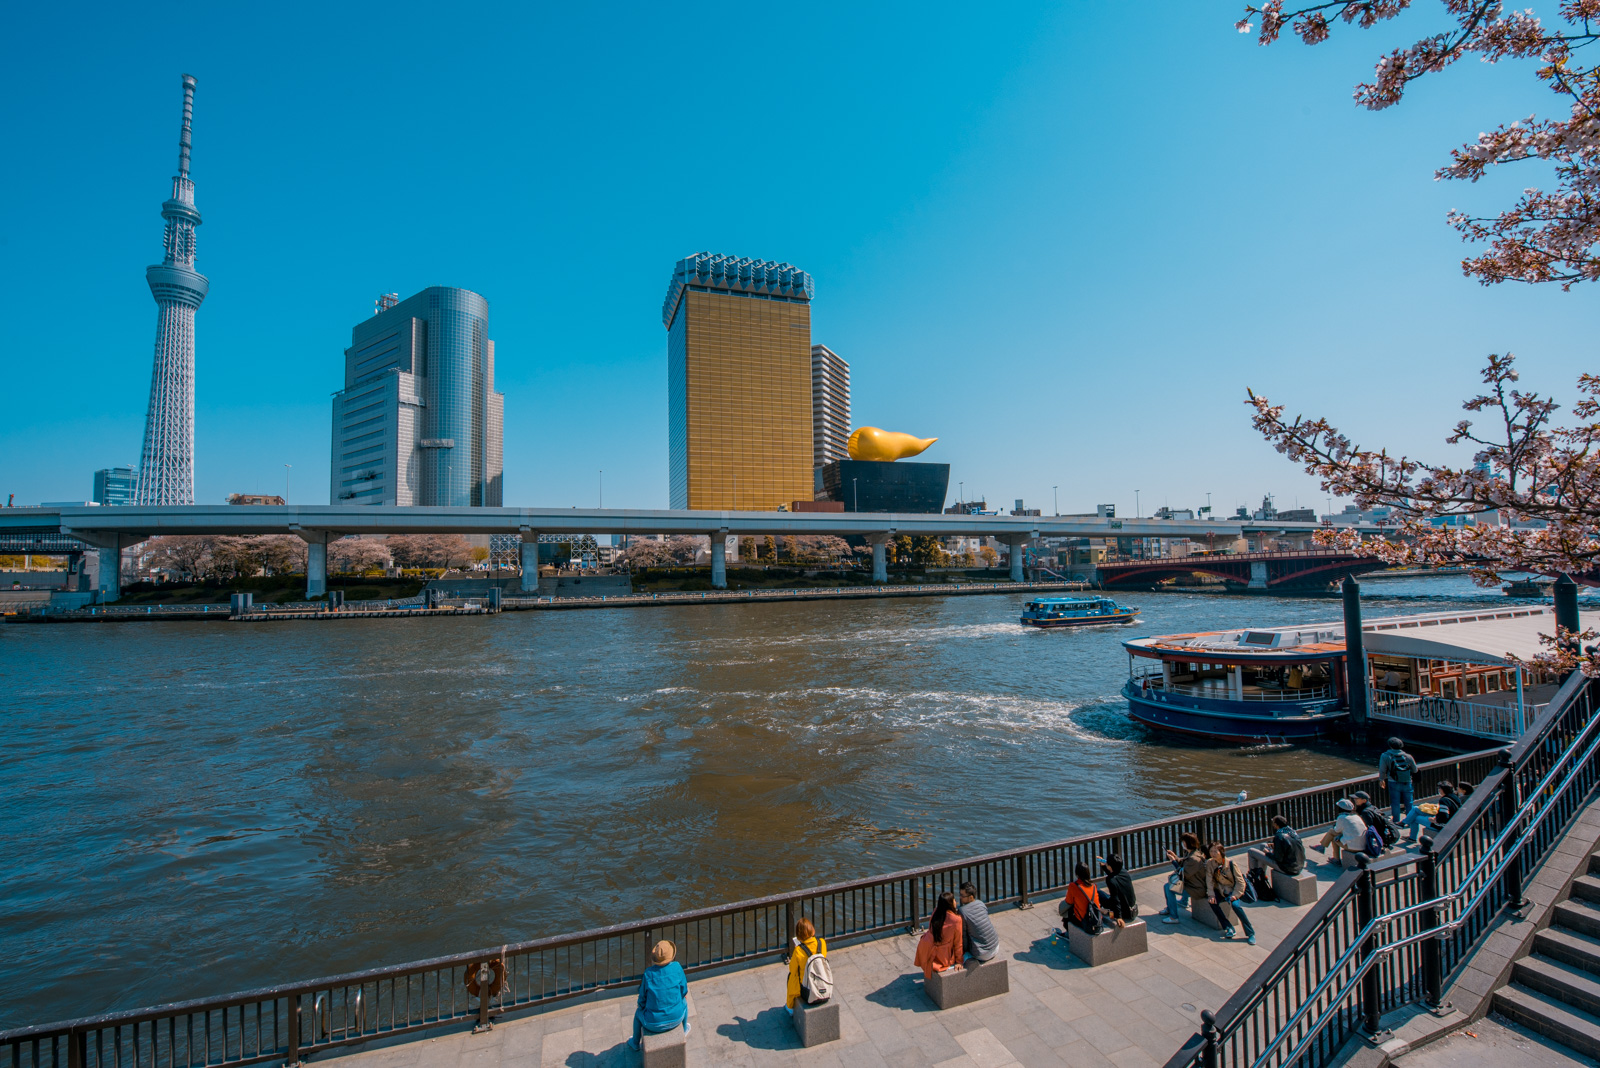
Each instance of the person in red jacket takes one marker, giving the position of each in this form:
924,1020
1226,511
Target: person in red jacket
1082,893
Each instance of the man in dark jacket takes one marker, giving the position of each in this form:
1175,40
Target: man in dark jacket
1120,899
1395,769
1286,852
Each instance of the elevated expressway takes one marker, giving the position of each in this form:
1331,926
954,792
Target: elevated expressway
110,530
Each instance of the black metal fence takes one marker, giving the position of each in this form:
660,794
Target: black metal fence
286,1023
1392,933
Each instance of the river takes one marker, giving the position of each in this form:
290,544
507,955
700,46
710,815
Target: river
189,809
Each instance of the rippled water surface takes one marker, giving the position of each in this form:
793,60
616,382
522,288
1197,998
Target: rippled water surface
188,809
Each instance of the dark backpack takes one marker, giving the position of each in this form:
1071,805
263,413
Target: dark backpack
1261,883
1379,821
1372,845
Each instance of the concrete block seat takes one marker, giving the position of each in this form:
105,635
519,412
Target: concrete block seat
962,986
1200,909
1112,943
668,1049
1294,889
815,1024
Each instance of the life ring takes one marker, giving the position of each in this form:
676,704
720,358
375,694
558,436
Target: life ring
497,972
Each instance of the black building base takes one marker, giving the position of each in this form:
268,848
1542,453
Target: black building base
879,486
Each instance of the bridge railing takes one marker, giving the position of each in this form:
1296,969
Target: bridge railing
1391,933
288,1022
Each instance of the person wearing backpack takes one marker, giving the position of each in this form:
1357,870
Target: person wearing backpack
810,974
1396,768
1081,907
980,941
1223,883
1375,818
1286,853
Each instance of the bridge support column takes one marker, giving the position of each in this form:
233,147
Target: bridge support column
316,559
1017,542
880,558
719,560
529,557
108,554
1258,575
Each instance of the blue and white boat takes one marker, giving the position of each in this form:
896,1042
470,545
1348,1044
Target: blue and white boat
1075,612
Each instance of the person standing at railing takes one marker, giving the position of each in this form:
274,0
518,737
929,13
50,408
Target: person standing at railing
1396,769
663,994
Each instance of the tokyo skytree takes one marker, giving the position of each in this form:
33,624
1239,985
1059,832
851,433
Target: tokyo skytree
166,471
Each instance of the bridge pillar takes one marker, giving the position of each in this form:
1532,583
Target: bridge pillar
316,559
108,559
880,557
719,560
1258,575
1017,543
529,558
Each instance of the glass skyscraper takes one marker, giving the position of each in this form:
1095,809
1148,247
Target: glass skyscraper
739,431
115,485
418,421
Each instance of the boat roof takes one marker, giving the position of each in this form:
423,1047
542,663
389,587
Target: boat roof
1068,600
1484,636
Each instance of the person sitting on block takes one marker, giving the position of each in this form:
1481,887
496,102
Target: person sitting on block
807,944
940,947
980,941
1081,907
1286,853
1121,901
662,996
1188,879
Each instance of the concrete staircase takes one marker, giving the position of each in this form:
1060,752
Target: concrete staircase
1555,990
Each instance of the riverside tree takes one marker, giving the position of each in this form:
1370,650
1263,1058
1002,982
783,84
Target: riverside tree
1530,499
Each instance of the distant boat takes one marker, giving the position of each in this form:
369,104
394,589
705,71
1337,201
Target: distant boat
1075,612
1528,588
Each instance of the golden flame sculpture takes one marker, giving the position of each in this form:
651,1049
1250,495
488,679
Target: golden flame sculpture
870,443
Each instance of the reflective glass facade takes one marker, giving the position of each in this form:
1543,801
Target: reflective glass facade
419,421
739,386
115,485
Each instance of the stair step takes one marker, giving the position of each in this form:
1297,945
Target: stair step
1594,863
1586,887
1579,916
1568,985
1573,1028
1568,947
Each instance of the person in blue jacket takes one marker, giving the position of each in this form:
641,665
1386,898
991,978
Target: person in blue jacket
661,996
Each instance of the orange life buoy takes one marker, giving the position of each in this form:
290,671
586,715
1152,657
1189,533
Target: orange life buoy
497,973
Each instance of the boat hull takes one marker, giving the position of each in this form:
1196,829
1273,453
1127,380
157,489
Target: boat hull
1235,721
1082,621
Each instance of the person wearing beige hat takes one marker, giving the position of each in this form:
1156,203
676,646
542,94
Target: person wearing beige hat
662,995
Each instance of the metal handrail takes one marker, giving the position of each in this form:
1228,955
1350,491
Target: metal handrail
1379,924
1317,694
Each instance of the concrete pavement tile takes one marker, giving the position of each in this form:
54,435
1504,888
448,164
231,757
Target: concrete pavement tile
1133,1057
824,1056
1101,1034
1055,1031
1084,1055
962,1061
1118,986
887,1035
559,1046
1031,1051
985,1049
934,1040
1064,1004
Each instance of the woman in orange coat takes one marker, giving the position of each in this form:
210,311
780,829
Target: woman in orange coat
940,947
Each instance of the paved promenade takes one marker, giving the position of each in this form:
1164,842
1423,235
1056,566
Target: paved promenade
1134,1013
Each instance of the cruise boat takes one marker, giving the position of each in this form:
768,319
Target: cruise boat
1450,676
1075,612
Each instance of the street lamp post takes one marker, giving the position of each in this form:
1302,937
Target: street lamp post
286,468
1057,497
1137,514
602,487
855,497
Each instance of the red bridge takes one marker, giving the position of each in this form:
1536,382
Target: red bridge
1308,569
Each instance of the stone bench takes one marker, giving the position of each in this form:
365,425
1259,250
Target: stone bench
1294,889
1201,910
815,1024
962,986
668,1049
1112,943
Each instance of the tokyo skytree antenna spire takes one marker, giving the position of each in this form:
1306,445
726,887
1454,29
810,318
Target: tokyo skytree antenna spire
166,470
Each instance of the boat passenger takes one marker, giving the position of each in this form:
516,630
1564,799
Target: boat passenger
662,996
979,939
1121,901
1347,837
940,947
1288,853
1224,884
814,945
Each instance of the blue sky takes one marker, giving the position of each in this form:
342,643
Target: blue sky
1062,241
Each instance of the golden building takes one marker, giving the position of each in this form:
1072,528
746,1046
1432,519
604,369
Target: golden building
739,428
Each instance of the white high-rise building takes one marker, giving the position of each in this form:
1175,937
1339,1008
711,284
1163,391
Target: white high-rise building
166,467
830,406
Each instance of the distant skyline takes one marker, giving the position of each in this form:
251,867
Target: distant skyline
1063,247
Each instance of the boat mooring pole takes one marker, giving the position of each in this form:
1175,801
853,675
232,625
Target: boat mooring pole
1355,654
1565,593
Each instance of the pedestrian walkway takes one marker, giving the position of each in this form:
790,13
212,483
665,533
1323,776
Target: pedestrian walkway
1133,1013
